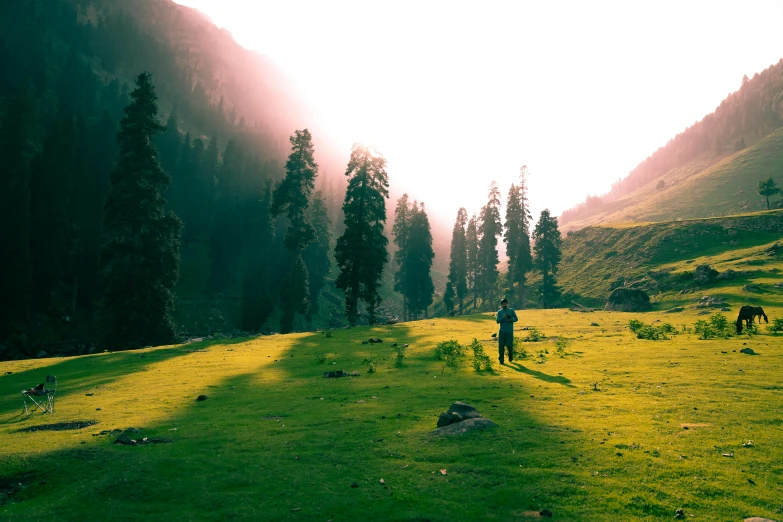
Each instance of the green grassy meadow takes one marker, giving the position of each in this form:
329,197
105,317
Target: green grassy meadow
617,428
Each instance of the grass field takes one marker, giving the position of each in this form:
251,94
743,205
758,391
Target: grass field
617,428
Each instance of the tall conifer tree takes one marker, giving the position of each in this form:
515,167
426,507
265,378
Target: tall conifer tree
547,256
257,303
361,251
401,232
490,229
523,261
418,285
458,262
472,246
316,253
140,259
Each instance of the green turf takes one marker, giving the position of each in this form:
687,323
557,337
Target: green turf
599,434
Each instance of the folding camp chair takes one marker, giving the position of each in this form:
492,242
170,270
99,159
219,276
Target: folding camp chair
42,396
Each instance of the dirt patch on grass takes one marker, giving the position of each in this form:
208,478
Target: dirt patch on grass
58,426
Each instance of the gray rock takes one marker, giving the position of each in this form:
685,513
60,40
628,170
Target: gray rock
456,417
628,300
748,351
466,411
201,398
751,288
444,419
704,275
42,354
124,439
675,310
465,426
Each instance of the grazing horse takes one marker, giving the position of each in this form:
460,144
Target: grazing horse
747,314
759,312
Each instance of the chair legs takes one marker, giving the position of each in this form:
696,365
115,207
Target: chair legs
46,407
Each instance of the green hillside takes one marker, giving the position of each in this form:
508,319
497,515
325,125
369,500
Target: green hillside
660,258
709,187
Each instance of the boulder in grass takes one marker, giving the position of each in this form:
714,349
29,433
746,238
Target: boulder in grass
466,411
465,426
704,275
628,300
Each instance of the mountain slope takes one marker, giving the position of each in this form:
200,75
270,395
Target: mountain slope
709,187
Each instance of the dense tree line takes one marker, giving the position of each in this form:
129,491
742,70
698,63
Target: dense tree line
750,113
414,255
474,260
63,91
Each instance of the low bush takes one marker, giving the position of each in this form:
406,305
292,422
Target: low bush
481,361
717,327
520,352
561,345
650,332
776,326
534,335
323,358
399,359
449,351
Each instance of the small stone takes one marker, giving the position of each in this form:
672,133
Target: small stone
748,351
545,513
354,485
124,439
383,482
201,398
680,513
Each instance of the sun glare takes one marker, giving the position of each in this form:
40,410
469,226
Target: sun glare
456,95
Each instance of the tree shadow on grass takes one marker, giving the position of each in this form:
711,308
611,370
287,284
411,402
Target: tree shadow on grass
556,379
276,437
82,373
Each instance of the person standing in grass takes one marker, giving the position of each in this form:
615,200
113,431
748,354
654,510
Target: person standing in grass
506,319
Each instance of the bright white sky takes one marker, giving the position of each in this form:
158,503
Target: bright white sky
457,94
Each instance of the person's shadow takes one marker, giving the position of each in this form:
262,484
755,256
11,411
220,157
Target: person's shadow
557,379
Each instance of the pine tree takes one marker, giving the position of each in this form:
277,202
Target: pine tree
292,195
401,231
523,261
18,146
316,254
513,233
361,250
419,288
547,256
257,304
140,259
471,254
458,262
490,229
294,295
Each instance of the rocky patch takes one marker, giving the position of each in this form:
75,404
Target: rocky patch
461,418
58,426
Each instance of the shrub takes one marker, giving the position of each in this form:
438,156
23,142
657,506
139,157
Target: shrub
718,326
327,333
481,361
541,356
560,346
520,352
649,332
399,360
776,326
372,367
448,351
534,335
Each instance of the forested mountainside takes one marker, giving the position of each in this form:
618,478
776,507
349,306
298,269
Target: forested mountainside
67,68
744,118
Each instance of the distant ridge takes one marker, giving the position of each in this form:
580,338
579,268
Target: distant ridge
715,146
